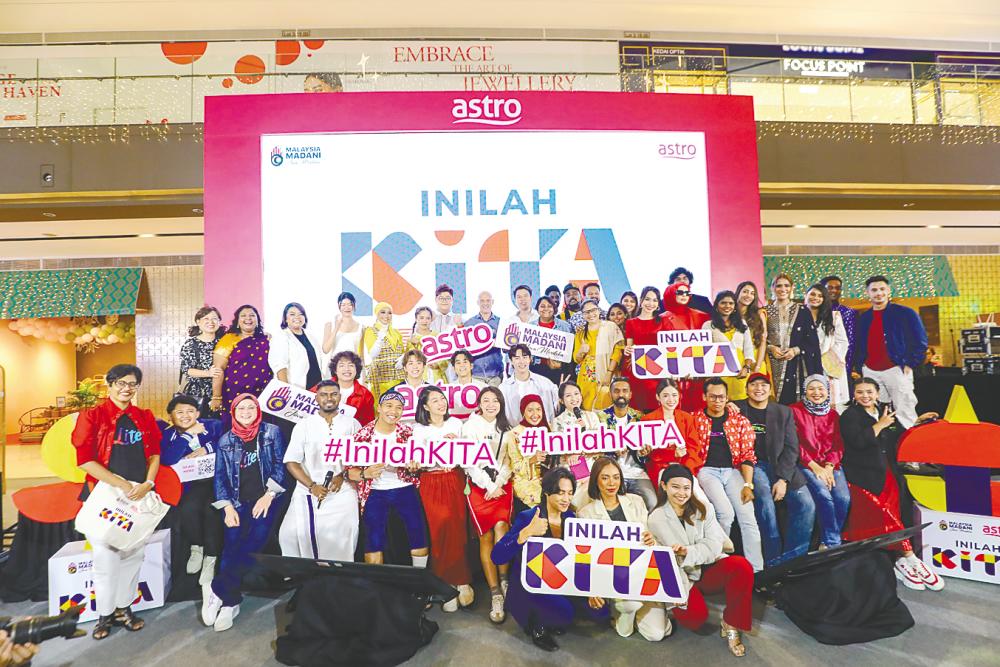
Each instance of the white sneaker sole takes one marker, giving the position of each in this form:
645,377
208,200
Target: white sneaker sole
225,626
916,586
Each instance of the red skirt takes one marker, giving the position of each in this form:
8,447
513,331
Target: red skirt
873,515
442,494
488,513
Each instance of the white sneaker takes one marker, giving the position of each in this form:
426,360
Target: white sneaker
497,614
669,629
450,606
210,606
207,571
224,621
466,595
909,576
931,581
195,559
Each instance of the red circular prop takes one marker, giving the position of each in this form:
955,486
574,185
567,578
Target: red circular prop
49,503
249,69
168,485
183,53
286,52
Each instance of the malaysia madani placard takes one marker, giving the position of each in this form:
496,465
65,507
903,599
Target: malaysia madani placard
602,559
685,353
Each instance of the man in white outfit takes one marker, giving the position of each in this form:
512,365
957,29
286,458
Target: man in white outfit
322,519
523,382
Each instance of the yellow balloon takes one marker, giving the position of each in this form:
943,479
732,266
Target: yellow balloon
58,451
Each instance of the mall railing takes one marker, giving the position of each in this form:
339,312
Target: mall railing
117,91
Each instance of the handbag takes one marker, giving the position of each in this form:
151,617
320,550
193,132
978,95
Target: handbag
109,517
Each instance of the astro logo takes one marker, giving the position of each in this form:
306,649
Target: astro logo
276,157
486,111
279,398
677,151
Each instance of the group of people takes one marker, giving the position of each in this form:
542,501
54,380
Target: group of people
806,430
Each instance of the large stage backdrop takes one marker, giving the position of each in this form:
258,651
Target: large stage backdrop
387,195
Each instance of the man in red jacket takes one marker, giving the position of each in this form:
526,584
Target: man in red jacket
118,444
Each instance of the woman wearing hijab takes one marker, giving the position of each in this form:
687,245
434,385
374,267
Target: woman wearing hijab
598,349
642,329
242,356
678,315
381,349
870,433
822,449
792,342
526,470
683,523
249,475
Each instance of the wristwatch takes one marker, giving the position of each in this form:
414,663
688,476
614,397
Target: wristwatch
748,485
152,484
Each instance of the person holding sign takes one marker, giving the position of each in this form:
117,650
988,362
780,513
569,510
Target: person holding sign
609,502
633,463
414,381
542,616
527,470
442,494
668,395
682,522
727,476
383,488
249,475
487,366
322,517
119,444
553,369
490,494
381,348
572,416
642,330
728,327
421,331
462,365
355,399
188,437
678,315
598,350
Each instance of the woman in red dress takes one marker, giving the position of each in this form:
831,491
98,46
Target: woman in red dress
678,315
642,330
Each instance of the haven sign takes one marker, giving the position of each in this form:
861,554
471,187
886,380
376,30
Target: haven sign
685,353
602,559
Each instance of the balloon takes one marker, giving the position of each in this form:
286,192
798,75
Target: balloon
69,337
112,339
86,338
58,451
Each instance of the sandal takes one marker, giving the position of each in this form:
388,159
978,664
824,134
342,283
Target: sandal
732,636
128,620
103,627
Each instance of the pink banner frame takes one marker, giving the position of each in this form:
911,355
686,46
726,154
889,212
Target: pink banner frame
234,270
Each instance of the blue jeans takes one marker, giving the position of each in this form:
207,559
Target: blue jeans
240,542
831,505
723,486
799,520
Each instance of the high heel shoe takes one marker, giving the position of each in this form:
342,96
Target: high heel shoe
733,638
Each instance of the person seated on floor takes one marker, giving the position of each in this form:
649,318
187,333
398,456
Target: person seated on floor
682,522
189,437
542,616
871,433
609,502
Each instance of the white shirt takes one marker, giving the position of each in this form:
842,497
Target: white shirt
449,430
480,430
444,323
286,352
308,446
513,390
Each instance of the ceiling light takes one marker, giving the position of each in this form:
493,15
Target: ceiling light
197,210
48,215
801,226
909,204
145,236
49,234
786,204
933,226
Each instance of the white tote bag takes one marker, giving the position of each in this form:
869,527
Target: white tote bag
109,517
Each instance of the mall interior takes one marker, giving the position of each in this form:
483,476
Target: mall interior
878,152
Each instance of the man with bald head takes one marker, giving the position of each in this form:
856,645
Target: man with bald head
487,366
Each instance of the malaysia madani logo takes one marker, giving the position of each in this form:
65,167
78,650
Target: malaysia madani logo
511,337
71,568
278,398
276,157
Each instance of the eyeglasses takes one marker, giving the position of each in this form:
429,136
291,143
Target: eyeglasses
122,384
682,292
710,397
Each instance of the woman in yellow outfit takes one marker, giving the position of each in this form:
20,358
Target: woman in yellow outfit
381,349
598,349
726,325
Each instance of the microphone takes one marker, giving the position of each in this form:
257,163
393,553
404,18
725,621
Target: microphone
326,485
578,413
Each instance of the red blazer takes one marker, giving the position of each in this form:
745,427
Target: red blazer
94,434
362,401
739,433
659,459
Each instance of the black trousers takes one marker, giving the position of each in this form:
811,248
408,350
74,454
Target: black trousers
200,523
